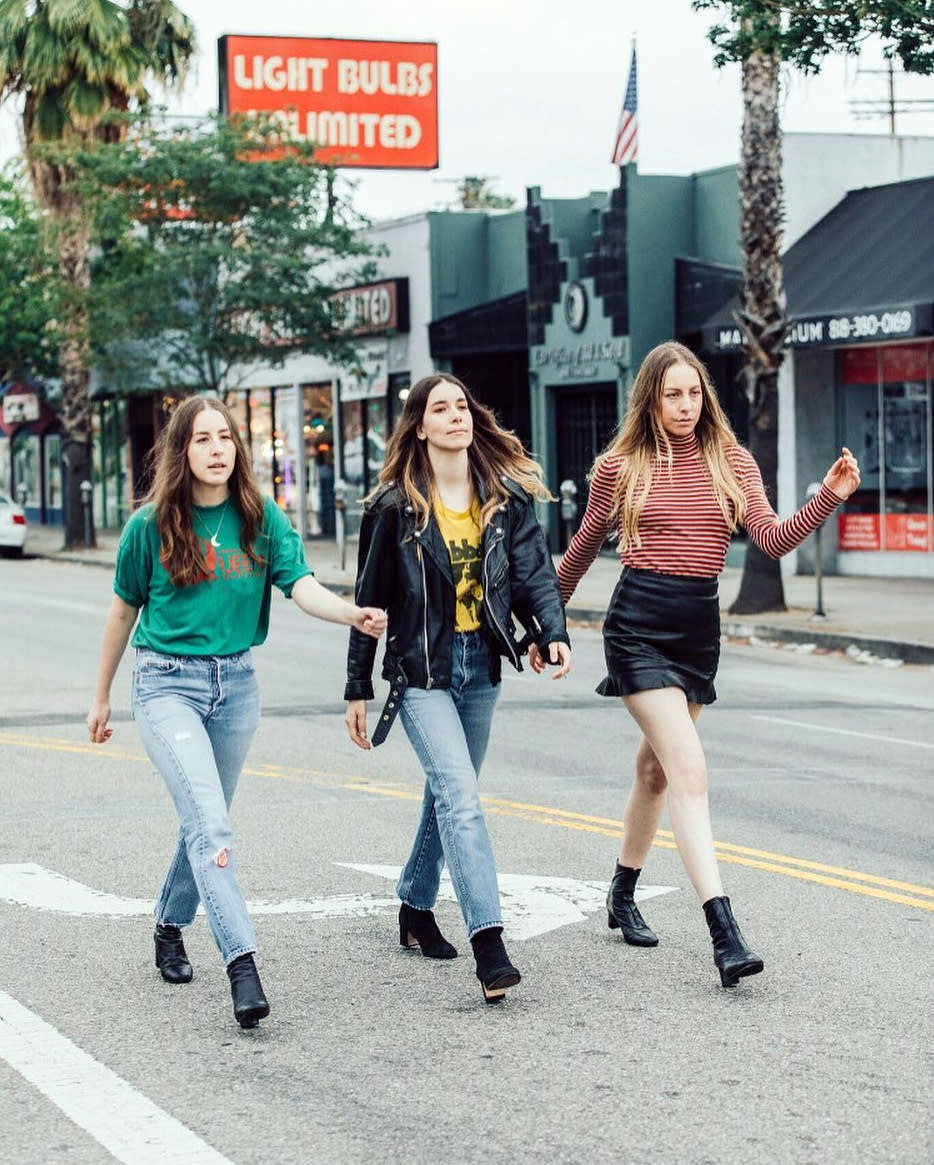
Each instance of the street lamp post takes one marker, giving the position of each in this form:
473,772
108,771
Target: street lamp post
819,612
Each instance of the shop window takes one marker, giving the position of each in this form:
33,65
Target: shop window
110,463
364,431
259,403
318,430
26,481
885,416
53,475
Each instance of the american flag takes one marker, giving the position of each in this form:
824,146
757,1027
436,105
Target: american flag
626,145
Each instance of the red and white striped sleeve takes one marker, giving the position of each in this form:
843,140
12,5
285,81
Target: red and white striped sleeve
592,532
773,536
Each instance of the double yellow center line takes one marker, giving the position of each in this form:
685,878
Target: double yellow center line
853,881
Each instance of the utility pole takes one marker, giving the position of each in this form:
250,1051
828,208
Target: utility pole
869,108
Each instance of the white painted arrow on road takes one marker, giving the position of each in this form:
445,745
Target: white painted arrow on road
533,904
27,884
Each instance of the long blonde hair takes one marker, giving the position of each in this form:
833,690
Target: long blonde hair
493,453
171,492
642,444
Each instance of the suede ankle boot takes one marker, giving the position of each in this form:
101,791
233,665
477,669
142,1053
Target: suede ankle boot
732,956
417,928
494,969
622,911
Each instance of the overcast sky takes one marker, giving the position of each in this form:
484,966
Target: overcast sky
530,90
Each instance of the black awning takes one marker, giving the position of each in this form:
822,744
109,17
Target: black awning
498,326
863,274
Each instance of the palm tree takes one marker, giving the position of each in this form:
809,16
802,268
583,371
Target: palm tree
74,65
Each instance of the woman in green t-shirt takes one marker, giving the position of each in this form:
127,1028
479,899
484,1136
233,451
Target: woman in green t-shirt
194,570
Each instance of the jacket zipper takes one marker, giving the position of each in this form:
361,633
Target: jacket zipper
487,589
421,563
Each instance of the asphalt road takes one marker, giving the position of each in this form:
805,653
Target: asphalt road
823,810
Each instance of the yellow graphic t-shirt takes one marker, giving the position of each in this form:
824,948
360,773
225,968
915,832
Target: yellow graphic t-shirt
461,534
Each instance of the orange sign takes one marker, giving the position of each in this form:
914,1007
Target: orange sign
363,103
901,531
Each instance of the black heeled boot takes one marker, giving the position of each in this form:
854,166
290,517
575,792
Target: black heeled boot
171,958
417,928
731,955
622,911
494,969
249,1003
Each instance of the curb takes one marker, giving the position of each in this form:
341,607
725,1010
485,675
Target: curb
917,653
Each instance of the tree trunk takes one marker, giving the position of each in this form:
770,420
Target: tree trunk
76,404
762,318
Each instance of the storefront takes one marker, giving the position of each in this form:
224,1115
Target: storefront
859,372
884,408
31,454
579,346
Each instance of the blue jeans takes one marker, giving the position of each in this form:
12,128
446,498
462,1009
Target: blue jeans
449,730
196,716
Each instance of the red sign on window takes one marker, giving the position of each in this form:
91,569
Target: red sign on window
858,532
907,532
902,532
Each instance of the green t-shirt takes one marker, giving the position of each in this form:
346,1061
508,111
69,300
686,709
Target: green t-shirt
229,611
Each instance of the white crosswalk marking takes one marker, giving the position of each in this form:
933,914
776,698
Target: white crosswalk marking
130,1127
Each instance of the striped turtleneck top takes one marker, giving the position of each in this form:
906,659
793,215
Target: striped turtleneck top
682,529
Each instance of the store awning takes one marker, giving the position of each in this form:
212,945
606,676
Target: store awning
864,274
498,326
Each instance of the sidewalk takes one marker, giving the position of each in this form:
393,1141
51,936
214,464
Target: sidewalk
870,618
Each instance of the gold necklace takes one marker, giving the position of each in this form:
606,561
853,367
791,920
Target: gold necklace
214,542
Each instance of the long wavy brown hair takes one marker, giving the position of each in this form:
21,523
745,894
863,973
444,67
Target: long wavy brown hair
643,445
493,453
171,492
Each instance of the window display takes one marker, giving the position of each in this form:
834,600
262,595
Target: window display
885,401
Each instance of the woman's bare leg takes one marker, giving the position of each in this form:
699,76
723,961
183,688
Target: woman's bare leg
667,723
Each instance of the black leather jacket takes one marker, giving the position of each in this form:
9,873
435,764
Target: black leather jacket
407,571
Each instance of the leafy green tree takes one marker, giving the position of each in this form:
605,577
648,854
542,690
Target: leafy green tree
761,35
222,248
27,287
72,64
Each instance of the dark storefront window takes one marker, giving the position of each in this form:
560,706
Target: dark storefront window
884,409
318,429
364,429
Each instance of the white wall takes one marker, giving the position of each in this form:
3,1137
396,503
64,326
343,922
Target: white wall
819,169
406,243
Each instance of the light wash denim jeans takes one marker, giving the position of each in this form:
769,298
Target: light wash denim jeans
449,730
196,716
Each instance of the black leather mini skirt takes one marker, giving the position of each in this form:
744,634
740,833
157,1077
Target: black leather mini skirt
662,631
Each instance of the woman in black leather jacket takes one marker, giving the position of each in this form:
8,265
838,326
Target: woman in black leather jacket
450,546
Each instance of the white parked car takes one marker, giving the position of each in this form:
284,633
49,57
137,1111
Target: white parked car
12,526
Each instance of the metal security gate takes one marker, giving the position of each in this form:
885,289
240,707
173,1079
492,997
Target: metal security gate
585,420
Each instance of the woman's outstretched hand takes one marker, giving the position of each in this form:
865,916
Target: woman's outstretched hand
370,620
842,478
559,653
355,719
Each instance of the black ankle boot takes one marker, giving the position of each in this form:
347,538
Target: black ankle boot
417,928
730,953
170,954
494,969
249,1003
622,911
